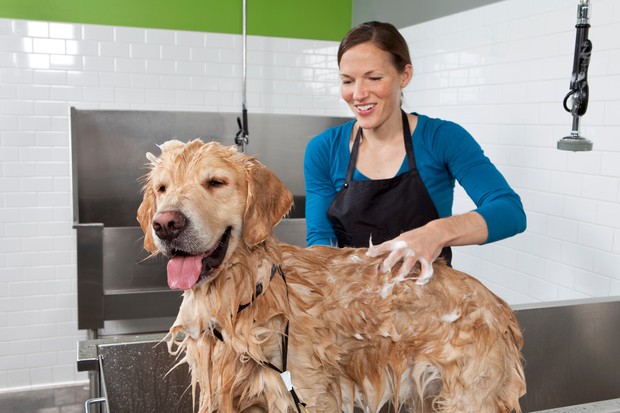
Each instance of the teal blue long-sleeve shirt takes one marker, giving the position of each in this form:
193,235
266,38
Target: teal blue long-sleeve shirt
444,153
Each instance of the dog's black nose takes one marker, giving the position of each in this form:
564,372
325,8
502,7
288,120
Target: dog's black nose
168,225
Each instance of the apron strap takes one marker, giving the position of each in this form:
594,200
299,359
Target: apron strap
408,142
353,158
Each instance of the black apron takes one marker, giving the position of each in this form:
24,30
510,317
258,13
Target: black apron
381,208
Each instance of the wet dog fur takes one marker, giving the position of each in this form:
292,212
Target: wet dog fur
356,336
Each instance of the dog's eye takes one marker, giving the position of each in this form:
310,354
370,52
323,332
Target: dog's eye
161,189
215,183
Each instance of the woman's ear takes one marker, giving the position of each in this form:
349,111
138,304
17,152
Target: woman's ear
406,76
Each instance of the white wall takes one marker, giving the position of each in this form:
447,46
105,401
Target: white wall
502,71
45,68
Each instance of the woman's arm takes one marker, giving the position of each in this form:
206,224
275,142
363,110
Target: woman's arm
499,212
319,192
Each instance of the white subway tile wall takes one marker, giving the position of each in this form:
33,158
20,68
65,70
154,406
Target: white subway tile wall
47,67
501,71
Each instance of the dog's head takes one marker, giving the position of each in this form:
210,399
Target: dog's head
201,201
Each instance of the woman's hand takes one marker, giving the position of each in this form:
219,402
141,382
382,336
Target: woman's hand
424,244
418,245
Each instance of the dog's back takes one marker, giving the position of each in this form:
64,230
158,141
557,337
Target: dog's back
451,342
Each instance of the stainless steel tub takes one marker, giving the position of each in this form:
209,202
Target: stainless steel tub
571,352
138,375
572,362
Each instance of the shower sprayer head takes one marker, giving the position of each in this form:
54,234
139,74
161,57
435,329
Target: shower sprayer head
575,144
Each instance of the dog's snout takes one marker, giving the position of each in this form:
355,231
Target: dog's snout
168,225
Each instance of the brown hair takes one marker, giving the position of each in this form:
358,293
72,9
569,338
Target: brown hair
383,35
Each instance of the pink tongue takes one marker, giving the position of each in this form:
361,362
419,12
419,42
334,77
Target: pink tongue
183,272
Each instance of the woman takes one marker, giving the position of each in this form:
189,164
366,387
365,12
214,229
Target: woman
388,177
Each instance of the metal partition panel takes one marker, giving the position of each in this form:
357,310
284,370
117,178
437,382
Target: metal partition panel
90,276
116,279
127,266
109,148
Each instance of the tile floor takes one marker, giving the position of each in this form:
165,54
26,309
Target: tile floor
68,399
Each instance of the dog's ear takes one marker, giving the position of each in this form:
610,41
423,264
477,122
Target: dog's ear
145,218
146,210
268,202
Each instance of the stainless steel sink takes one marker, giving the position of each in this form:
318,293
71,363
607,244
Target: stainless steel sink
605,406
571,357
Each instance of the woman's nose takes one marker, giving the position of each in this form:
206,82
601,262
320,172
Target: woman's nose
359,91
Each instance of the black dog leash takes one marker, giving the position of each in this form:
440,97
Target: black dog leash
284,373
257,291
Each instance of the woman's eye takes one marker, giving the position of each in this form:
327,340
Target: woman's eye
376,78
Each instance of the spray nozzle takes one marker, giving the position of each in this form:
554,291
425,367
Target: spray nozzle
241,138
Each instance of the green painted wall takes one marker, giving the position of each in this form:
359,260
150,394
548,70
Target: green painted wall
405,13
316,19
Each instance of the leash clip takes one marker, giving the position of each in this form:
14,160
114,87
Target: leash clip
286,377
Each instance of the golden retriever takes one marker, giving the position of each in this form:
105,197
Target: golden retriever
270,327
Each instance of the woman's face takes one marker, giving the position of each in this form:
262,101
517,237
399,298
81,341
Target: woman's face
371,85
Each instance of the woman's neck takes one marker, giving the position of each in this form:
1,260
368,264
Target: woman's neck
386,133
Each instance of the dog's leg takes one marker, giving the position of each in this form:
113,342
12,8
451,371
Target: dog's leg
473,387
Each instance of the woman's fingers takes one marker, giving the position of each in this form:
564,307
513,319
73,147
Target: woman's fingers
399,250
386,247
395,256
426,271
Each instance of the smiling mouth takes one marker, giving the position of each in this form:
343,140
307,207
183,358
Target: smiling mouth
365,107
185,270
